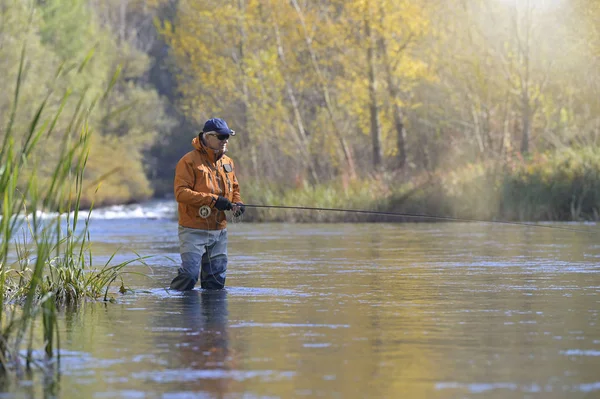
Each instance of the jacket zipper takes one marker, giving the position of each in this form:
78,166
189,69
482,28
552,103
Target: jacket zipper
220,188
218,183
228,182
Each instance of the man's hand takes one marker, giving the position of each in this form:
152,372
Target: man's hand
223,204
238,209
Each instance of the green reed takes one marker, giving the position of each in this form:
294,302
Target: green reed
54,262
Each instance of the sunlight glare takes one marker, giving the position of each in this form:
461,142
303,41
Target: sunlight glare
540,4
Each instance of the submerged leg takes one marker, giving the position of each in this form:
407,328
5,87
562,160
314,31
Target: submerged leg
192,246
214,264
187,274
214,271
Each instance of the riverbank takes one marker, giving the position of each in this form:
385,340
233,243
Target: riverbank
561,186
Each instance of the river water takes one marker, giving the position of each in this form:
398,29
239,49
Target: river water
446,310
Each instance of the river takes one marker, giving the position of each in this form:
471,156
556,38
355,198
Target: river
412,310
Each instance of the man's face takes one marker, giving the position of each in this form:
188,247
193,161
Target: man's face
215,141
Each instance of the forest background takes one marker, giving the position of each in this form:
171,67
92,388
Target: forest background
464,108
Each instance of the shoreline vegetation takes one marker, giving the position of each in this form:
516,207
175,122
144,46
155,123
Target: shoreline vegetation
46,263
551,187
559,186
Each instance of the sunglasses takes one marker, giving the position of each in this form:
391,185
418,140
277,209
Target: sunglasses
221,137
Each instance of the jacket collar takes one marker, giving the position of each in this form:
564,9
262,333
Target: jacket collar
212,155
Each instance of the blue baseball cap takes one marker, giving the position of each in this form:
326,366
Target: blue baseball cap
217,125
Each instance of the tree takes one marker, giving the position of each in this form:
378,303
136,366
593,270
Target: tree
65,36
390,66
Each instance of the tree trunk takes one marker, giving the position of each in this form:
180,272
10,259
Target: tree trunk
526,112
400,136
246,136
394,93
298,126
325,91
506,148
373,105
525,125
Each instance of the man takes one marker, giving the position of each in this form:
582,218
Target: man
205,187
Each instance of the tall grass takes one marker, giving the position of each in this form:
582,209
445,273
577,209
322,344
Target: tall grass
53,261
366,194
563,185
558,186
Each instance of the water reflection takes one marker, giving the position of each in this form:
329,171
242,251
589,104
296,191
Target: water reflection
206,352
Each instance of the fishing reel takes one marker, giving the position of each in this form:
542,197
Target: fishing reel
204,211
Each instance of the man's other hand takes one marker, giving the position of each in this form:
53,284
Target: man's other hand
238,209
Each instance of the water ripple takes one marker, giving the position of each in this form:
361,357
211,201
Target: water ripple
184,375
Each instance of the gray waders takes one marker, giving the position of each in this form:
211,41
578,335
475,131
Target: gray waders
204,256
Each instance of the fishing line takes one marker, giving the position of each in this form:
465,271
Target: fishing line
416,216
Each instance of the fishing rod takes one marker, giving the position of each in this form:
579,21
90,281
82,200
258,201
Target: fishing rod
414,216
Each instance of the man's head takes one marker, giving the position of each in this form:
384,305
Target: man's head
216,133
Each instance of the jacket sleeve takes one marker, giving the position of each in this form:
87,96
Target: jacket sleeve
184,186
236,187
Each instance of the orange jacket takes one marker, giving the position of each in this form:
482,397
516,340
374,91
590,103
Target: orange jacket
200,177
